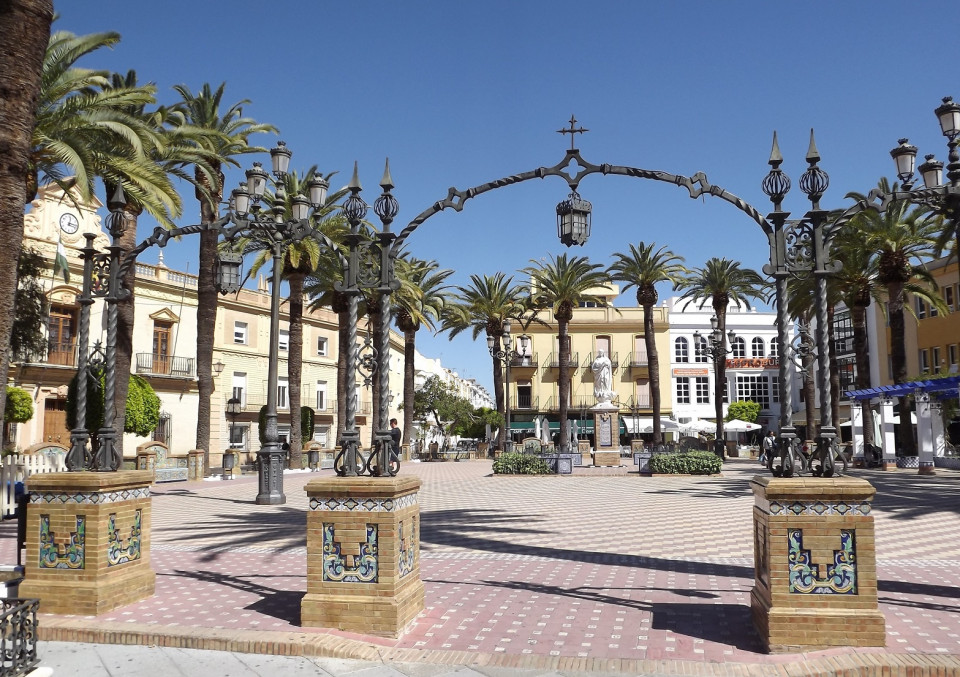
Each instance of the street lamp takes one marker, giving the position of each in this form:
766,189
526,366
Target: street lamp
233,411
505,355
715,347
943,198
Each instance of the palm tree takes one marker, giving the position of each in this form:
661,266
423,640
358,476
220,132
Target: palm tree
299,258
643,268
722,282
903,236
482,307
561,284
25,27
418,303
228,137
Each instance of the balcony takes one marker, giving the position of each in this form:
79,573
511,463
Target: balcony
640,402
61,354
254,402
638,359
614,361
522,361
553,362
165,365
525,403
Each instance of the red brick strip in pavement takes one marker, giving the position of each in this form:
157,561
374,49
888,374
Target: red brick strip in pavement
548,572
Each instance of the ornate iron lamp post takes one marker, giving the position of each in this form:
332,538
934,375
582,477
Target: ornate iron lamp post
505,355
233,411
716,348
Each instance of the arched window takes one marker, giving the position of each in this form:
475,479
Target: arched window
756,347
681,350
739,347
774,348
701,350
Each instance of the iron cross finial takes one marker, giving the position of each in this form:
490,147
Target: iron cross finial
572,131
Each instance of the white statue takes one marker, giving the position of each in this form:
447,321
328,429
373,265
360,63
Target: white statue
602,378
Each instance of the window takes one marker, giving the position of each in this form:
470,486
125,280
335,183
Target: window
921,309
603,343
320,434
756,347
162,433
775,388
847,368
683,391
238,436
933,310
756,388
643,393
701,350
774,349
703,389
739,347
283,434
240,332
283,342
726,391
681,350
161,347
935,358
321,395
952,353
283,388
843,332
240,387
322,346
948,296
924,361
639,351
524,395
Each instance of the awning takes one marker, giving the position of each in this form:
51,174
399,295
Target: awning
645,425
937,385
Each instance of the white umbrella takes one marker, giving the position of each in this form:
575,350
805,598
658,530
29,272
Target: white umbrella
738,426
699,426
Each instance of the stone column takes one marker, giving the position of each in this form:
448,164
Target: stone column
856,433
88,541
924,434
815,564
886,433
363,554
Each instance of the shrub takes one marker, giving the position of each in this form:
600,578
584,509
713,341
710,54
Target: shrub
690,463
19,406
142,413
520,464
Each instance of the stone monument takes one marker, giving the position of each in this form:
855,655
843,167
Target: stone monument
606,414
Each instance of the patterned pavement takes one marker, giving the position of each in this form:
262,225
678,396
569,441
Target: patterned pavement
608,566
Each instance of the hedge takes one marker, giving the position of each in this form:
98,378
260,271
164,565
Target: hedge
520,464
689,463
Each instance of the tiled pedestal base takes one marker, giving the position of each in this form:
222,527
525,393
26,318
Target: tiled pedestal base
815,564
88,541
363,555
606,458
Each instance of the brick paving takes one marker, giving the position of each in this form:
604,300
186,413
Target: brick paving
593,571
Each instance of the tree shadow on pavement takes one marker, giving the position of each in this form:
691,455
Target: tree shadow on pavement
283,605
277,529
729,624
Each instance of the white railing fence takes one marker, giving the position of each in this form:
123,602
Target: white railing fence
17,468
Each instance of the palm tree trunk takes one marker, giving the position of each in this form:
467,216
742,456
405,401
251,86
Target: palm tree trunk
563,389
295,366
861,350
25,27
898,359
498,387
207,302
653,369
409,374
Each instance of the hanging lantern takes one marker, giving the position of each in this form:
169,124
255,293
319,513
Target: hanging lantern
573,220
228,272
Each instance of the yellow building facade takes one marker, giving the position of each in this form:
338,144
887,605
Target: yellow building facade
164,348
596,325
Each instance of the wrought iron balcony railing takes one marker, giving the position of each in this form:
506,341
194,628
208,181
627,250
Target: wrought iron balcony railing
525,402
165,365
524,361
638,358
614,361
63,353
553,362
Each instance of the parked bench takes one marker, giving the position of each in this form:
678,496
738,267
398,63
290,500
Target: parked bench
167,467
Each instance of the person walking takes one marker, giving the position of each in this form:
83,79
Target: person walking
395,435
766,451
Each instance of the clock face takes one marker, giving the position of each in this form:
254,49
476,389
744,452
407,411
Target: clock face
69,223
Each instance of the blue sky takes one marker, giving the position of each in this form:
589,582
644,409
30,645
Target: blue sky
457,94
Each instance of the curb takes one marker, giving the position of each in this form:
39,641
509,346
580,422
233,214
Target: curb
827,663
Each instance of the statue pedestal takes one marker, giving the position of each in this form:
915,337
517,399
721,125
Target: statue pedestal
815,564
363,554
606,428
88,541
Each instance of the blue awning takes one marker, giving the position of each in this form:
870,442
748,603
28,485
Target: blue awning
937,385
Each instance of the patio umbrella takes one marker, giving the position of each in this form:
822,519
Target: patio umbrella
738,426
698,426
